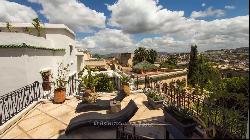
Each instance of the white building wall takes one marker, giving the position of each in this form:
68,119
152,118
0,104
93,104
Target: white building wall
7,38
59,40
21,66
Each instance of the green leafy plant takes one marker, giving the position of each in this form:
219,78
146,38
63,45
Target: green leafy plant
144,66
157,98
125,79
89,81
142,54
170,63
104,83
153,94
37,24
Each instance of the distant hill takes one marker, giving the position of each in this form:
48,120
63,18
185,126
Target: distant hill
163,53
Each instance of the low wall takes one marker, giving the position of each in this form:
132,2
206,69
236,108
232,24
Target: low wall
165,78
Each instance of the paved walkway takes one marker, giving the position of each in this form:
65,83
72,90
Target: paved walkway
50,120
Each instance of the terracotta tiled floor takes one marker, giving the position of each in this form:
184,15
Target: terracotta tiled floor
50,121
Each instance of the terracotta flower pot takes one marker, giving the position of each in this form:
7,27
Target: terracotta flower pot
59,95
126,89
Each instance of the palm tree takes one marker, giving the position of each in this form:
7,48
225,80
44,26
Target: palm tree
37,24
8,26
152,55
140,55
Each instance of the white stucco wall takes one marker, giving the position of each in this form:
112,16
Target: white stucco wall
21,66
60,40
7,38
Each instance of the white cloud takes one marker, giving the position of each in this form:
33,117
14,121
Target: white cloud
230,7
178,32
108,41
72,13
14,12
164,44
209,35
145,16
203,4
209,12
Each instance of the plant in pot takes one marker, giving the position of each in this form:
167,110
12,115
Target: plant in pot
125,84
154,99
60,89
46,76
89,83
180,118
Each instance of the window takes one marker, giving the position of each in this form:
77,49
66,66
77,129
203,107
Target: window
71,49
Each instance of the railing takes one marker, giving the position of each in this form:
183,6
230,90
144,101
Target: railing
14,102
201,109
121,133
124,131
72,85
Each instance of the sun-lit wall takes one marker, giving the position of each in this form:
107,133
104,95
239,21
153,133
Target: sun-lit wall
21,66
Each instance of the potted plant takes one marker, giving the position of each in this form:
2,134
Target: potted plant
154,99
60,89
89,83
125,84
180,118
37,24
46,75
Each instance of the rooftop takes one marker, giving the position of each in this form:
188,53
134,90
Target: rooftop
45,25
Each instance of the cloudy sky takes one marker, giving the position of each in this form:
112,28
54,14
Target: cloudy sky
109,26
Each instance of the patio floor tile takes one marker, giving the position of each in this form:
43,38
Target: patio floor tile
14,132
32,114
65,118
59,111
47,130
33,122
48,106
23,136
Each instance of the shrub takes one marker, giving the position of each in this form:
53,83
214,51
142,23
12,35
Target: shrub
104,83
154,95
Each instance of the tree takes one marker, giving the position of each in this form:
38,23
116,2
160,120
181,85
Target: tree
206,73
8,26
142,54
152,55
143,67
230,99
170,63
193,66
98,56
37,24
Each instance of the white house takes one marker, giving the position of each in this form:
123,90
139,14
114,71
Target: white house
23,54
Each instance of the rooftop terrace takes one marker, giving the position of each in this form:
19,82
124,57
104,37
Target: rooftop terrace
48,120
